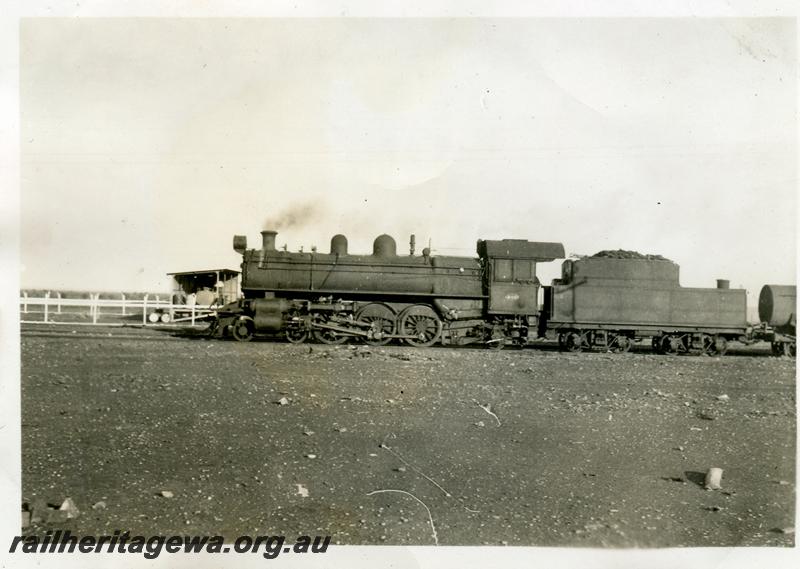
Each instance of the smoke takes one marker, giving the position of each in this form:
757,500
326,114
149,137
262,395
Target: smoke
295,216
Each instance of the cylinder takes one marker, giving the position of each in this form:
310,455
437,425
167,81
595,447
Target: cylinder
723,284
777,305
339,245
268,313
384,246
268,240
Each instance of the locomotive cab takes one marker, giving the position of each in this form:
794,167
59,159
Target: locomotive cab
510,273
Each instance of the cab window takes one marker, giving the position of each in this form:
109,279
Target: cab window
502,270
523,270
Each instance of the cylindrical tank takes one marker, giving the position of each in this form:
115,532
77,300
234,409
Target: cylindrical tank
723,284
384,246
339,245
777,305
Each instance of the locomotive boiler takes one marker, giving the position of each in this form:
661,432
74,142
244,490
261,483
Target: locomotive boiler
420,299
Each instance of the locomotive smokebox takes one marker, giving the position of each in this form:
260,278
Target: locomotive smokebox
777,306
723,283
339,245
268,240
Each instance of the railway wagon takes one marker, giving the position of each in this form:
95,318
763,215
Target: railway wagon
777,311
613,302
422,299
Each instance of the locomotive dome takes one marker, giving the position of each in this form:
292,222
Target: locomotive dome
384,246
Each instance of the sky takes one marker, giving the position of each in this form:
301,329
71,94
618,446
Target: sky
146,144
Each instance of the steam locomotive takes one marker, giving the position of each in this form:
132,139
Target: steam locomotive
493,299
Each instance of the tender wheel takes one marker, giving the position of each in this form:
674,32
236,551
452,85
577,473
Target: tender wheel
243,329
382,321
154,317
165,318
720,346
707,345
573,342
422,323
671,345
621,344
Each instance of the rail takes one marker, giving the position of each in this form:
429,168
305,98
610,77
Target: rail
153,310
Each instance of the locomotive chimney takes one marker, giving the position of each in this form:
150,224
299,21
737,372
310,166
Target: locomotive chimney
268,240
723,283
412,242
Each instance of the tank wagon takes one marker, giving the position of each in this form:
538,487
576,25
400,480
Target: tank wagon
777,310
613,302
420,299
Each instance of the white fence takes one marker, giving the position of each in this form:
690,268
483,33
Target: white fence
153,310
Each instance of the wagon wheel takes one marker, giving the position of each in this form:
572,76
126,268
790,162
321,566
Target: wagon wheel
421,322
620,344
573,342
382,321
243,329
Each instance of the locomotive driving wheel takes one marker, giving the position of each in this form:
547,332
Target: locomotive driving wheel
332,337
243,329
422,324
382,323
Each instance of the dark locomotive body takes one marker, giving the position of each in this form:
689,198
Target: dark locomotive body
422,299
599,302
612,302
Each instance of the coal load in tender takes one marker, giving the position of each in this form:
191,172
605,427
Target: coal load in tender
622,254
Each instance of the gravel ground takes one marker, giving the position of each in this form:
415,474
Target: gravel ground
155,434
